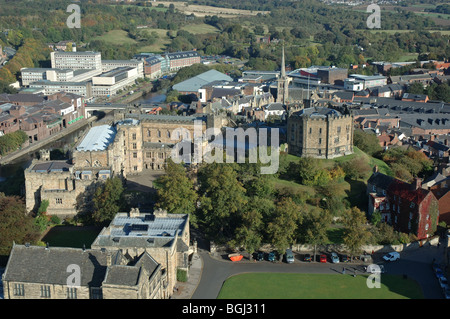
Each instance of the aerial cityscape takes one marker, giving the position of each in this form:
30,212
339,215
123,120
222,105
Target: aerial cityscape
224,150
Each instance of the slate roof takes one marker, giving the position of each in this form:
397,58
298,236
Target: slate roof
36,264
317,112
380,180
51,166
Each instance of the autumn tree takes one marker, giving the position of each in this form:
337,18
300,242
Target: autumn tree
15,224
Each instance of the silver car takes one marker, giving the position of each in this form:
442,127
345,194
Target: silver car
334,258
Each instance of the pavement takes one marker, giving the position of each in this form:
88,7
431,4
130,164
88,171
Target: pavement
185,290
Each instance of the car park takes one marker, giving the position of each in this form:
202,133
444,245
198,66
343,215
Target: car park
323,258
345,259
334,258
307,258
393,256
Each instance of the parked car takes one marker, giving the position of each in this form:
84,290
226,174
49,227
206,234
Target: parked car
439,273
393,256
307,258
289,256
323,258
443,282
334,258
345,259
271,256
259,256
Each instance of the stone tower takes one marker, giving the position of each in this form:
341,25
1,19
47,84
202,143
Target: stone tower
283,82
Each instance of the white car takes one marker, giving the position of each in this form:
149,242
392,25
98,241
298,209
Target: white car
334,258
393,256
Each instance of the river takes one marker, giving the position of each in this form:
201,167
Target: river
153,97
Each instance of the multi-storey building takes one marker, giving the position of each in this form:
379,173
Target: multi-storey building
409,208
320,132
76,60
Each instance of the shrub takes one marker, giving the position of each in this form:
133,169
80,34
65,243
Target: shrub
181,275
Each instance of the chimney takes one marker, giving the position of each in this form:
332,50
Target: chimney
417,183
108,259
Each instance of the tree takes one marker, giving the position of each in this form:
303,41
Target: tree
223,197
314,228
15,224
107,200
176,192
366,142
283,227
356,233
416,88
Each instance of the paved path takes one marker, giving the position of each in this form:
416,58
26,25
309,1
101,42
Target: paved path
208,273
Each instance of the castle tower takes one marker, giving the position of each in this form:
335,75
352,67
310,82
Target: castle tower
283,82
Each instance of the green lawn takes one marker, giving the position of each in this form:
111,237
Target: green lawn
116,37
202,28
316,286
71,236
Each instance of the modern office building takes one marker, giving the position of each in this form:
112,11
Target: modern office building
76,60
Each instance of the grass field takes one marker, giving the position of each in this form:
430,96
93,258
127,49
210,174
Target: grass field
71,236
316,286
116,37
200,28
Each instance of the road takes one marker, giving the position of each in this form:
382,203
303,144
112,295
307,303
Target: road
414,264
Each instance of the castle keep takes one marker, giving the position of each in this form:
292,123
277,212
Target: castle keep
320,132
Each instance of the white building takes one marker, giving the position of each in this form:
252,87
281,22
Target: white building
76,60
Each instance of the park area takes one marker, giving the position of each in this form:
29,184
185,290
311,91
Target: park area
316,286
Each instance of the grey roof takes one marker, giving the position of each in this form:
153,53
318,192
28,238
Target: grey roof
426,122
380,180
196,82
98,138
317,112
51,166
129,275
275,107
36,264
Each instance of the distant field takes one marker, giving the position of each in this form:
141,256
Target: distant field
316,286
116,37
201,10
200,28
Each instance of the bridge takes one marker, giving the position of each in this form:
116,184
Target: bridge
93,108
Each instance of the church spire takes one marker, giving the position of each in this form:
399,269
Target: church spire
283,64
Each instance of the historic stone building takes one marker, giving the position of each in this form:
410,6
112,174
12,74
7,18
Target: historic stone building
35,272
136,257
320,132
163,236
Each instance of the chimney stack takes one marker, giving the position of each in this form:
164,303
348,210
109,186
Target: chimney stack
417,183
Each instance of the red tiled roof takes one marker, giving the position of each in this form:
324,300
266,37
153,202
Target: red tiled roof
406,191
